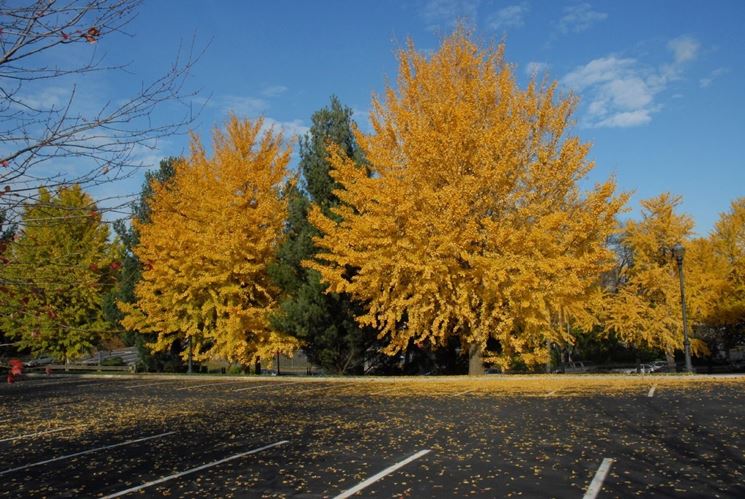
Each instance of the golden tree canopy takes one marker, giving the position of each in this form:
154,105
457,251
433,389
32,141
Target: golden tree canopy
728,241
645,310
470,221
214,229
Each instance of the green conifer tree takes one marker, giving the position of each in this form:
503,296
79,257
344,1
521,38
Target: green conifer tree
325,323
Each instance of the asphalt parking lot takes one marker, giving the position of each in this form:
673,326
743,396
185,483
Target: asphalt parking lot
566,437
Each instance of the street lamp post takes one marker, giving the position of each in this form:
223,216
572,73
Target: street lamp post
191,350
678,252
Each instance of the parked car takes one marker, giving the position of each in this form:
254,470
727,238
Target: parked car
658,366
41,361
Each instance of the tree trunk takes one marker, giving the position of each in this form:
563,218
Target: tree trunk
475,362
670,357
190,355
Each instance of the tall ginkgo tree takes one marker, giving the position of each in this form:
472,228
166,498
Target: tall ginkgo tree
54,275
470,221
645,308
214,228
724,256
729,242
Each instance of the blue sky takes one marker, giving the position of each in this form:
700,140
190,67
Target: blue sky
661,82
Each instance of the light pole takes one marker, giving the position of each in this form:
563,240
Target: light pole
190,355
678,252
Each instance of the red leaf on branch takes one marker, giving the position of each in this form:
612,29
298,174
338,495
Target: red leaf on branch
91,36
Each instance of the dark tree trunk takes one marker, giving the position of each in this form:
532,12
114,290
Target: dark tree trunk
475,361
670,357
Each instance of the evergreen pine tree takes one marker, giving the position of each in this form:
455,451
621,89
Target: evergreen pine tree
325,323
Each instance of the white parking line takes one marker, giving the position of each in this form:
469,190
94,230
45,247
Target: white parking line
68,456
270,385
193,470
375,478
651,391
597,482
29,435
464,392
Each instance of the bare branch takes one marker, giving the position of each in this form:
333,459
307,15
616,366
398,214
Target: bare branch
56,139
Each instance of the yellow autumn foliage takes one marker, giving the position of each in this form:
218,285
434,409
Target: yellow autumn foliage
469,220
645,309
728,246
214,229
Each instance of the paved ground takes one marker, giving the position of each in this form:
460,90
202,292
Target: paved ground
492,437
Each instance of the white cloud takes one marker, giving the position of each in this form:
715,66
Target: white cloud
629,93
438,13
708,80
579,18
274,91
242,105
621,92
534,67
290,129
597,71
684,48
512,16
627,119
46,99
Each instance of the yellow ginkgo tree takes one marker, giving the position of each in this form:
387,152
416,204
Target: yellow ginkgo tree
728,243
644,309
214,227
468,220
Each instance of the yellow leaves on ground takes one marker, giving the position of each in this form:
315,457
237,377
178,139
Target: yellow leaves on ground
214,228
470,221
